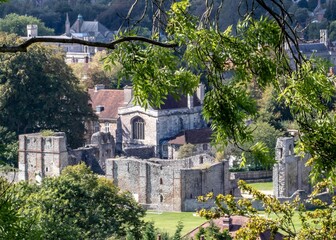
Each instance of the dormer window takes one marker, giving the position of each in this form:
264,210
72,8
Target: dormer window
99,108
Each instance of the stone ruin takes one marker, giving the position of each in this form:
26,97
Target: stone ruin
290,174
45,156
167,185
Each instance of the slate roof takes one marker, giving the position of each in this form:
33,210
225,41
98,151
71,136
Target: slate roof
194,136
308,48
110,99
171,103
90,28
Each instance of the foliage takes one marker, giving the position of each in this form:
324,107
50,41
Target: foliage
78,205
213,232
39,91
17,24
12,225
93,73
316,224
8,147
186,150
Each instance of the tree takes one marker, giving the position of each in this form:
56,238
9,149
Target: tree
14,23
330,11
78,205
39,91
8,147
93,73
186,150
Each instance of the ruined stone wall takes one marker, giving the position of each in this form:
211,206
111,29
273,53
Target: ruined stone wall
197,182
189,162
42,156
46,156
164,185
289,173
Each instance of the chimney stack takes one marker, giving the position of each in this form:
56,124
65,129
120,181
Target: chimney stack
99,87
200,92
128,94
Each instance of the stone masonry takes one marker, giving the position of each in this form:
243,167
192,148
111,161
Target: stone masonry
46,156
289,173
168,185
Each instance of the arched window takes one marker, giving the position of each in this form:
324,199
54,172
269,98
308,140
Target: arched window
138,127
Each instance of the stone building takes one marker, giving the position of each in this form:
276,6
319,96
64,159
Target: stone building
105,103
146,132
46,156
170,185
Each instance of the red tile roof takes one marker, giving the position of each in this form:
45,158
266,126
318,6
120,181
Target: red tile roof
110,99
236,223
194,136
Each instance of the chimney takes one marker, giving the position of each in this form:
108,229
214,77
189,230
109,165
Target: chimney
67,26
32,30
324,36
227,222
190,99
99,87
128,94
200,92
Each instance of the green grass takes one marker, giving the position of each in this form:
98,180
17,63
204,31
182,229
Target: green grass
262,186
167,221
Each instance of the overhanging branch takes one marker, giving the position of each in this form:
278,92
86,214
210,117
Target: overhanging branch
23,47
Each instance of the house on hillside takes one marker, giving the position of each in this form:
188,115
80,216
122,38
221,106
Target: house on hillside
81,29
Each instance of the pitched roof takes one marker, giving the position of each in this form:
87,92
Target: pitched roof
171,103
110,99
194,136
236,223
308,48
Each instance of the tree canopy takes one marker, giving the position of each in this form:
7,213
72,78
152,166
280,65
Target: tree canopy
39,91
77,205
14,23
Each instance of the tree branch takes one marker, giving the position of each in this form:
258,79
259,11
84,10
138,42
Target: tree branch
111,45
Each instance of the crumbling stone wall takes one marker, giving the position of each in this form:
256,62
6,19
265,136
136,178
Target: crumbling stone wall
46,156
289,173
166,185
41,156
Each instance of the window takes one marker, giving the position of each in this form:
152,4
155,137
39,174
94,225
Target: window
161,182
96,127
107,127
138,126
205,146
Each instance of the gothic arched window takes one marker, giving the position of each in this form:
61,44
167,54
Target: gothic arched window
138,126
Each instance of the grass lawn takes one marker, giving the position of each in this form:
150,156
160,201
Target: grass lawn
167,221
262,186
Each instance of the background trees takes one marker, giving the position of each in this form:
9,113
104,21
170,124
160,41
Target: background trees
39,91
14,23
